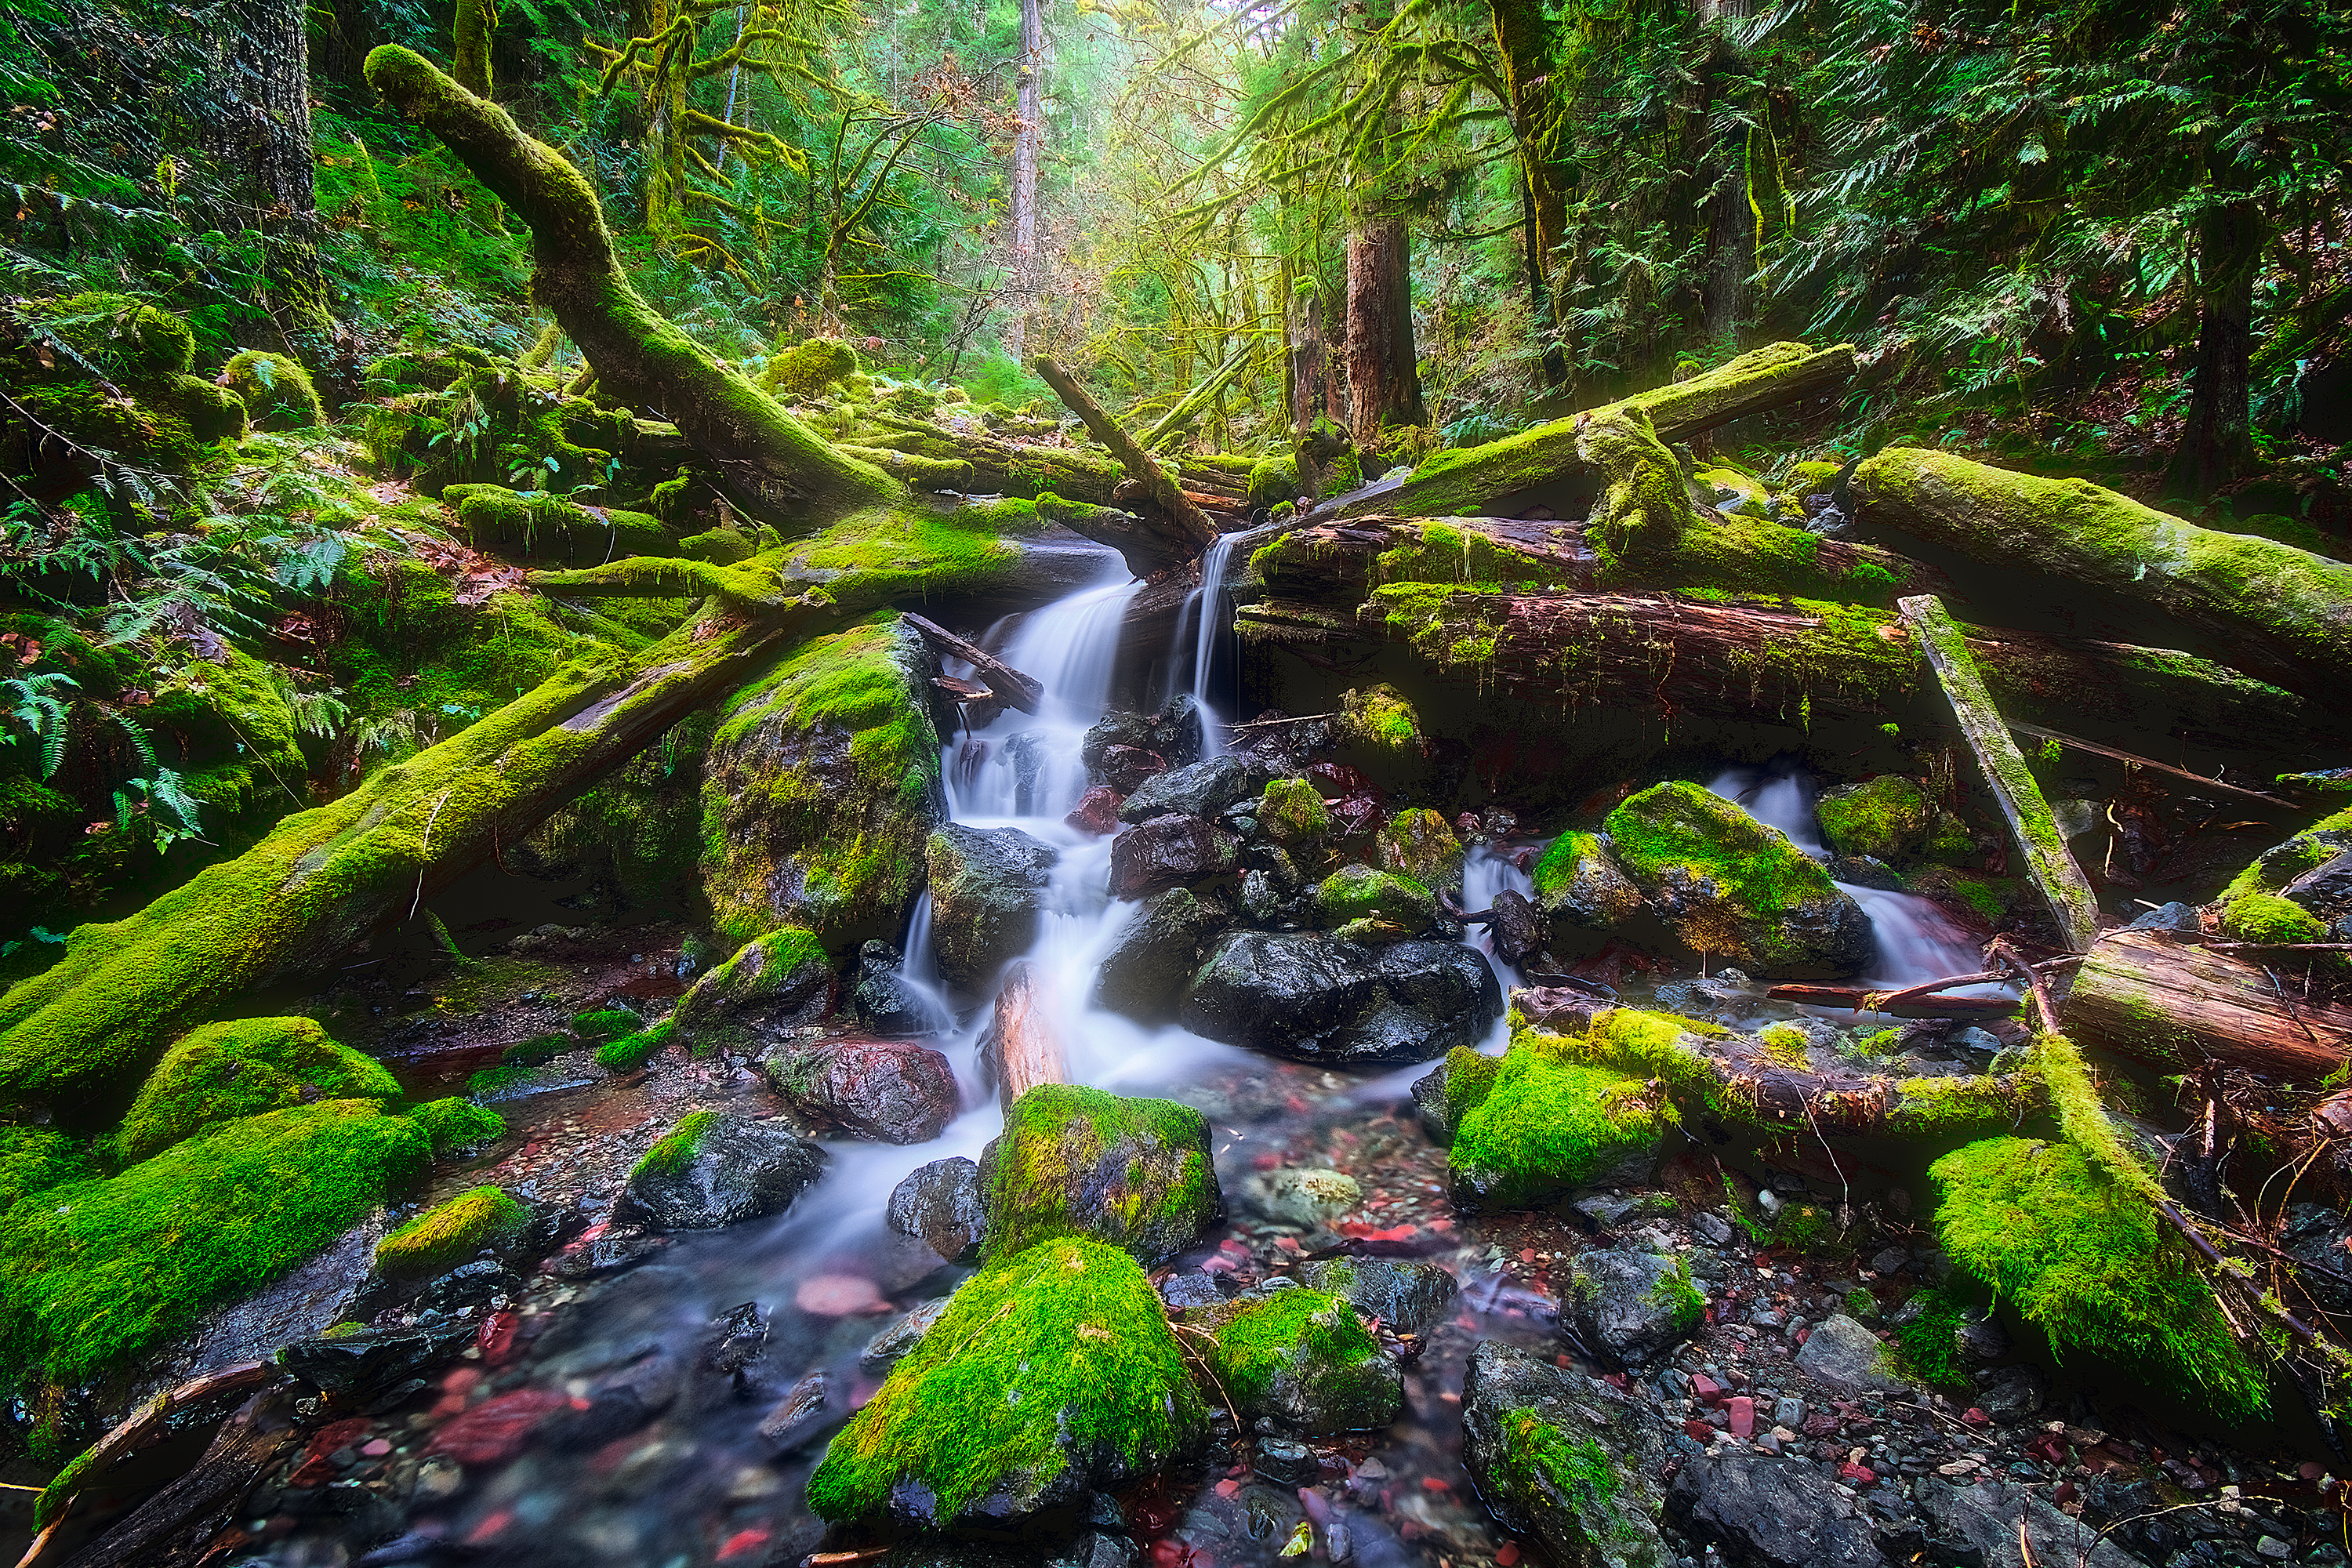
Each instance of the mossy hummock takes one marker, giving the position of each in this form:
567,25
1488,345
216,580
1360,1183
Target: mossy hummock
1540,1125
1366,900
1302,1357
1421,845
1073,1161
1580,881
275,390
1890,818
450,1234
243,1068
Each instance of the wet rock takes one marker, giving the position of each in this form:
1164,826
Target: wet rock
1421,844
899,1335
494,1431
1173,735
360,1369
1405,1296
986,890
327,1290
1302,1357
735,1339
1124,767
621,1248
1610,1211
1144,973
1579,882
1315,998
1358,898
1732,887
894,1091
1288,1462
1026,752
1865,871
619,1404
1557,1461
1984,1518
1167,851
1627,1305
1202,789
2166,917
1982,1341
884,1001
715,1170
940,1204
1134,1172
796,1418
1846,1356
1096,811
2326,891
468,1285
1766,1513
1513,927
2010,1394
1193,1289
768,987
1308,1199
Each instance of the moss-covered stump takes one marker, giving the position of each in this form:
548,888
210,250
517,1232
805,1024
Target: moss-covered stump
767,987
451,1233
1890,818
1369,906
1538,1126
2084,1257
101,1270
537,527
1136,1174
1729,886
1052,1376
821,787
243,1068
276,389
713,1170
1580,882
1299,1356
1552,1464
986,889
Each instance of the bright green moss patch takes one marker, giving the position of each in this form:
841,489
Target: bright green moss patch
605,1024
1298,1349
1887,817
1544,1125
1448,553
1562,859
1681,1297
1680,825
1785,1043
2276,867
458,1124
275,390
1579,1473
1927,1348
2267,918
675,1149
1361,893
1061,1348
1420,844
629,1053
243,1068
1073,1161
449,1233
1291,812
1379,717
34,1159
803,370
2081,1255
97,1271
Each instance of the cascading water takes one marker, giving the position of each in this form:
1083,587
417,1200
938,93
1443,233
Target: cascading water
1201,626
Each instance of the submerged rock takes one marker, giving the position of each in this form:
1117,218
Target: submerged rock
940,1204
894,1092
1167,851
715,1170
1316,999
1631,1304
1302,1357
1405,1296
986,886
1133,1172
1143,975
1306,1198
1558,1459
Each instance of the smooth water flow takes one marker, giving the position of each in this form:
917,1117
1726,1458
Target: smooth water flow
1201,618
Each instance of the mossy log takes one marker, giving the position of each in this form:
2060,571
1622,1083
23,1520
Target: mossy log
2278,611
1187,408
769,464
1466,482
2146,997
1179,531
2032,826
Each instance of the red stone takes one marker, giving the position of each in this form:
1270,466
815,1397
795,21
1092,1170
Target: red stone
1506,1555
1976,1417
495,1430
314,1470
742,1543
1096,811
1856,1475
1436,1484
1705,1389
497,1338
1741,1410
1699,1431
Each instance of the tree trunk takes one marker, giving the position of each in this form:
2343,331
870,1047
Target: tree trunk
1308,371
1383,369
176,1527
1730,224
2147,998
1527,46
2217,445
1028,138
1183,530
266,123
470,36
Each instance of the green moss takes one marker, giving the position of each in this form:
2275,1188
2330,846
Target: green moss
1063,1347
1450,552
1927,1348
803,370
2081,1255
243,1068
541,527
99,1271
1361,893
1073,1161
1544,1124
2281,864
2267,918
1678,824
449,1233
122,338
1785,1043
34,1159
675,1149
1676,1292
1420,845
458,1124
1887,817
275,390
1542,1467
605,1024
1292,814
629,1053
1379,717
1273,480
1469,1079
1261,1348
1808,1228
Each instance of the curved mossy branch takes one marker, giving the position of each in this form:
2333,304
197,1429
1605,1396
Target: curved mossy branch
771,466
747,585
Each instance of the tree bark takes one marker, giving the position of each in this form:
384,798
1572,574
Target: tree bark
1028,138
1307,355
1383,369
2217,445
2146,997
767,463
175,1528
1730,226
267,128
1183,530
1525,45
1022,1049
470,37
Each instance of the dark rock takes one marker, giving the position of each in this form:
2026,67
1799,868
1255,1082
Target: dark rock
1865,871
1201,789
1286,1462
1846,1356
360,1368
1629,1304
2166,917
940,1204
1582,885
1558,1460
770,985
1515,929
1124,767
1027,753
986,886
1096,811
736,1338
328,1290
2316,1236
611,1253
1195,1289
468,1285
884,1001
1608,1211
1562,1009
796,1418
2326,891
1166,851
728,1171
1434,1108
1766,1513
2010,1394
899,1335
1985,1341
1144,973
1114,729
1406,1296
894,1091
1315,998
618,1405
1984,1518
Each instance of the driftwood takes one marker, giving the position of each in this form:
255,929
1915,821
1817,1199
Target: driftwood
2146,997
144,1424
1022,1049
1924,1005
1184,530
1005,684
178,1524
2039,733
2032,826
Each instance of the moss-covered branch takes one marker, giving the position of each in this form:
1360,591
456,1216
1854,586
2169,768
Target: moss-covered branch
747,585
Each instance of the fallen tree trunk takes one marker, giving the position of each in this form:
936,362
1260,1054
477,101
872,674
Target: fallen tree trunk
145,1425
2032,826
1188,408
1466,482
1006,685
2281,613
1183,529
768,463
2143,996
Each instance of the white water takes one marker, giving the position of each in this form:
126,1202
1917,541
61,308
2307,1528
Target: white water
1201,617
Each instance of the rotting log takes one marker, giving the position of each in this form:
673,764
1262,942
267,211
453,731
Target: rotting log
1023,1052
1464,483
766,462
2278,611
1184,530
2120,689
177,1526
1005,684
2146,997
2032,826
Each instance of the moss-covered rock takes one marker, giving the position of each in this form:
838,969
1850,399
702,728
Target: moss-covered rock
1291,813
120,338
534,526
34,1159
2267,918
1374,905
768,987
1302,1357
1379,717
1051,1375
1272,480
1579,881
1729,885
713,1170
1420,845
458,1124
821,788
111,375
275,390
243,1068
803,370
1559,1465
1541,1126
1890,818
986,889
1136,1174
101,1270
452,1233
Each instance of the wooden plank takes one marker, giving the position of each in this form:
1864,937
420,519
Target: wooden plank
2032,826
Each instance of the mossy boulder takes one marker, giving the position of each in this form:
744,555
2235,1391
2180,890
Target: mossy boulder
821,787
1302,1358
1890,818
451,1233
122,339
1272,480
1373,906
1421,844
1735,889
242,1067
101,1270
805,369
1133,1172
1291,813
713,1170
458,1124
1558,1464
34,1159
1579,881
1381,718
770,985
987,887
1631,1304
1051,1376
533,526
111,374
275,390
2267,918
1541,1126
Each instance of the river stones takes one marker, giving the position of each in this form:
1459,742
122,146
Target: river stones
1316,999
894,1091
940,1204
986,886
1630,1304
1202,789
1143,975
1563,1458
1765,1512
1167,851
715,1170
1404,1295
1133,1172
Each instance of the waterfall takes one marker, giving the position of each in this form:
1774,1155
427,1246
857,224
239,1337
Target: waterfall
1192,669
